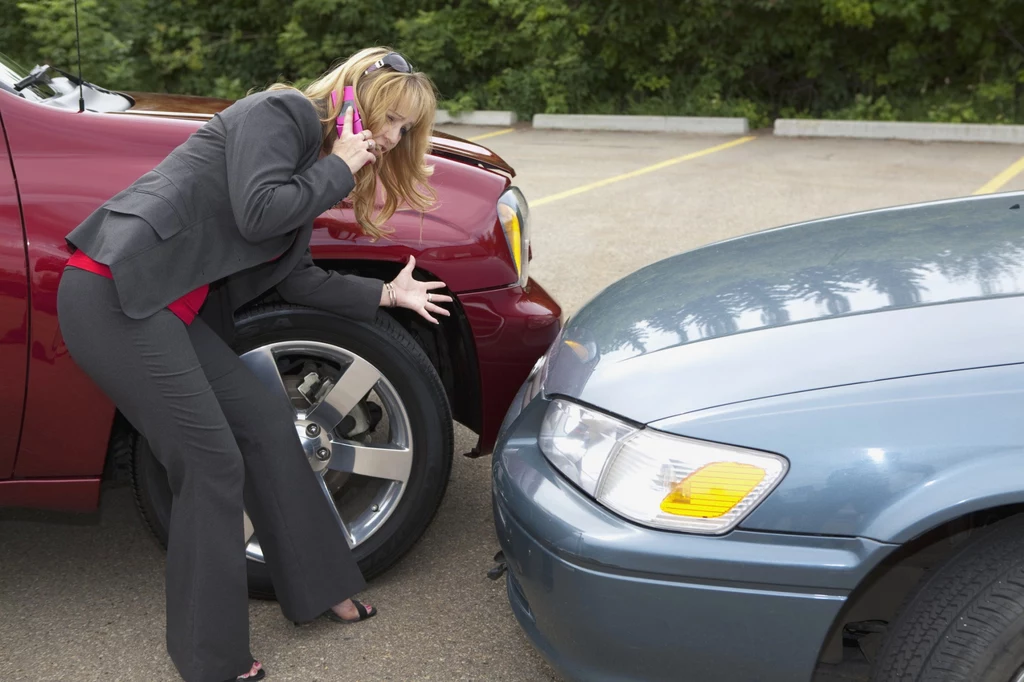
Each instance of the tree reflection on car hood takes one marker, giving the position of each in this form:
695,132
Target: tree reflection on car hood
776,287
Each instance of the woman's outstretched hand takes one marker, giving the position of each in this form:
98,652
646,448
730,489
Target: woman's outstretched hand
355,149
416,295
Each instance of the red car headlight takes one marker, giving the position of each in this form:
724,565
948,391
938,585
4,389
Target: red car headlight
514,215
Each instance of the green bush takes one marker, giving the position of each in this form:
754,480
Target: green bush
932,60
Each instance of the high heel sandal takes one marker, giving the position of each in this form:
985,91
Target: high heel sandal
365,613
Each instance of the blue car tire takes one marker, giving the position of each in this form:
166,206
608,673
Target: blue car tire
966,622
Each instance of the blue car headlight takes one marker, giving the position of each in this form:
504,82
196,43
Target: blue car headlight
654,478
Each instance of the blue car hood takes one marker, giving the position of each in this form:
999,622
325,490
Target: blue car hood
862,297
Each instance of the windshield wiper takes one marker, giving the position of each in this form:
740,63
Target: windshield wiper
37,75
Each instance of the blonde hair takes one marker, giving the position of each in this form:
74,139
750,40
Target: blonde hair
402,173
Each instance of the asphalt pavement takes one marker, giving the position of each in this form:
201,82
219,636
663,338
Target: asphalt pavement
81,597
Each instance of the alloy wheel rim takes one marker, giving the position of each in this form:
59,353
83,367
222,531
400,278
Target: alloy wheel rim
365,478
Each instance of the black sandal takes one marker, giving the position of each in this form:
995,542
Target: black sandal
364,613
256,672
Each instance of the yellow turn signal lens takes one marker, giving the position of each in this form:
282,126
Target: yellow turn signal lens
513,233
712,490
579,349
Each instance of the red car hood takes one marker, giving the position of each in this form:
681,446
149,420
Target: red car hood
203,108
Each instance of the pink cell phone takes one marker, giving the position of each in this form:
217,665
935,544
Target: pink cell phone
349,101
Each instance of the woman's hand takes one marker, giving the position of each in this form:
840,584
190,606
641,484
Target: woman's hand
356,150
416,295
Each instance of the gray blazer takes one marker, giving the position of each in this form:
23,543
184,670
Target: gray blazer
241,191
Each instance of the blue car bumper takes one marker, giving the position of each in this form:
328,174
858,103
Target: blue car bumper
604,599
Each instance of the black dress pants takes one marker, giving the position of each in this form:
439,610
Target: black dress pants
224,439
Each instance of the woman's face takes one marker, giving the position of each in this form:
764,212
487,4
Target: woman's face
396,124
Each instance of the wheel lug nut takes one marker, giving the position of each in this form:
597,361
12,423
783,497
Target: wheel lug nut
313,430
323,454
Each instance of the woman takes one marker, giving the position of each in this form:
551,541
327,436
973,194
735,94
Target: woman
145,307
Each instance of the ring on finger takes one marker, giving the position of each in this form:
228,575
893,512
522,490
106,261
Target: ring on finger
430,297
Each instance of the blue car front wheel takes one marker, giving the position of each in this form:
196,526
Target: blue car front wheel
966,622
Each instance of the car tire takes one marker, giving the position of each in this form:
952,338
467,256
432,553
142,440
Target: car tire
966,622
416,387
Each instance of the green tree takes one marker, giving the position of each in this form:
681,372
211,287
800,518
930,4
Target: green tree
48,36
940,60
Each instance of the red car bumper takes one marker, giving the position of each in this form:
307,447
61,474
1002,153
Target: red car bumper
512,328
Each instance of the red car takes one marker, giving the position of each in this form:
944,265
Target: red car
394,385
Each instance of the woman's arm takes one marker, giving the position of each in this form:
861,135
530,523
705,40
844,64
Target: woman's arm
350,296
263,150
357,297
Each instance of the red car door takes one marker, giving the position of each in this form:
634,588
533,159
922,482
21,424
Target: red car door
13,312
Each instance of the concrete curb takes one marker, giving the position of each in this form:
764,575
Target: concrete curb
477,118
646,124
901,130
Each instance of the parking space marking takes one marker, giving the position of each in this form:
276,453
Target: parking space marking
996,183
494,134
640,171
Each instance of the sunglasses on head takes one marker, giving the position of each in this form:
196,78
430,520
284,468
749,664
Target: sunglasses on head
393,60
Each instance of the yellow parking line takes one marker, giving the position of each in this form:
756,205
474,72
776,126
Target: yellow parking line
996,183
494,134
640,171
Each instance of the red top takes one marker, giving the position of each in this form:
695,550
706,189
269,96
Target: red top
186,307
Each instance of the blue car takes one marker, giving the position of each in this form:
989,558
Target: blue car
747,461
